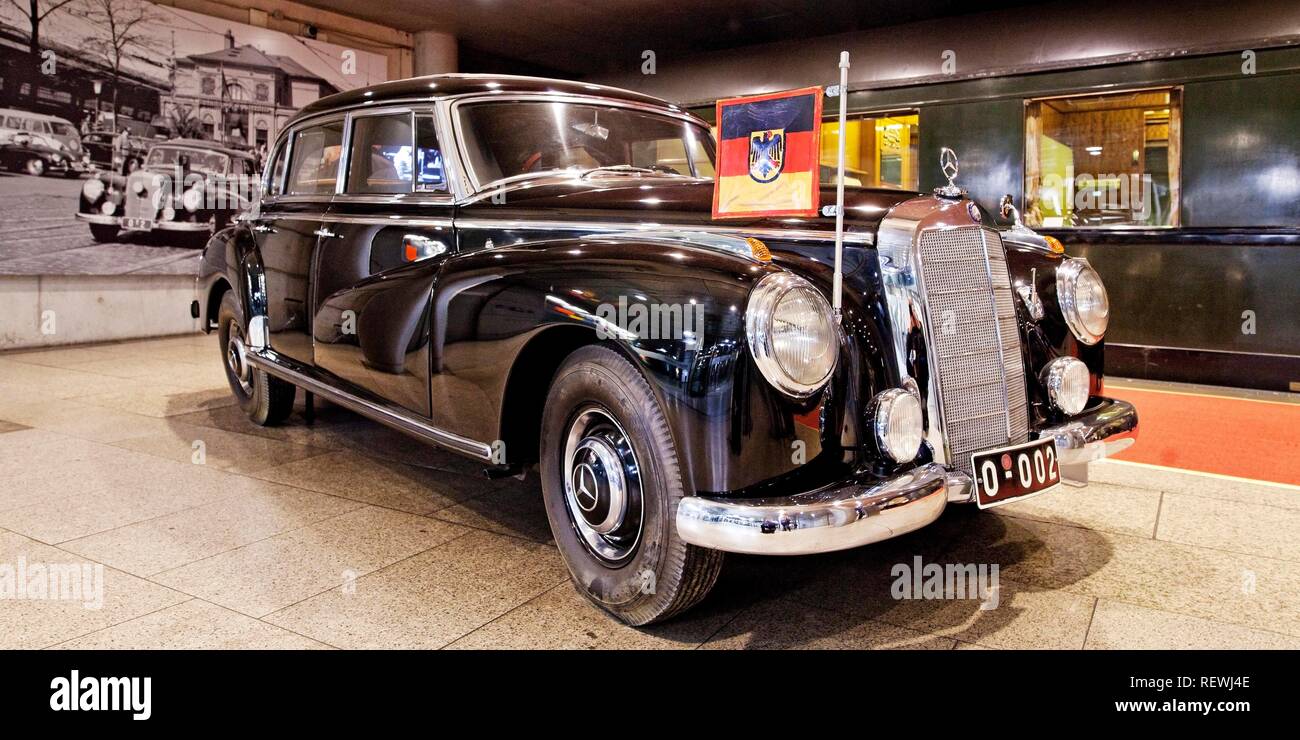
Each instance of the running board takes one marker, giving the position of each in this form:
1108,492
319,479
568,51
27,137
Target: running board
305,378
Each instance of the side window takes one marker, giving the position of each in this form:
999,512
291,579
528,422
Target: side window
276,186
315,166
380,159
430,175
1100,161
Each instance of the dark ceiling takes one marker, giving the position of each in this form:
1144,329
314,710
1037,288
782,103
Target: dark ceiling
582,37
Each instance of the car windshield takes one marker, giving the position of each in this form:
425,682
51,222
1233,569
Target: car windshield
505,139
63,129
209,163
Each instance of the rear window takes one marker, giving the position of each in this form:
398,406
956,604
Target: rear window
315,166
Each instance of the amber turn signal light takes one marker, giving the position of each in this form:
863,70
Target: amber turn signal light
758,249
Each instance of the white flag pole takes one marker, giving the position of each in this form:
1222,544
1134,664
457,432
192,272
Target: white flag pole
838,287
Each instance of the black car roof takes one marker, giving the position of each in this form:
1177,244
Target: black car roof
438,86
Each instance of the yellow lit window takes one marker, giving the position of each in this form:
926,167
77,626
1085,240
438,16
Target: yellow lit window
880,150
1103,161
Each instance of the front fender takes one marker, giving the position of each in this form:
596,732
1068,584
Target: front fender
675,309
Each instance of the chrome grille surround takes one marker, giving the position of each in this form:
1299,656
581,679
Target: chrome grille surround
954,327
140,205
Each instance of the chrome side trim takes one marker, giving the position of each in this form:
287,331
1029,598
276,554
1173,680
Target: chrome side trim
597,227
270,362
825,520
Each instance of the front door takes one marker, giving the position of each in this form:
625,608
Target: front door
385,240
288,231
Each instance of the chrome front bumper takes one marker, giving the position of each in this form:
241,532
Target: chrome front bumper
843,516
194,226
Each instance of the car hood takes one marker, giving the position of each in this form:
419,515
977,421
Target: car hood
676,201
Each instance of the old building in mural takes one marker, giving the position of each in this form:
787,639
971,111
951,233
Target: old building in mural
241,95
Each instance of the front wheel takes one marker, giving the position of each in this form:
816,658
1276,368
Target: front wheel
267,400
612,483
35,166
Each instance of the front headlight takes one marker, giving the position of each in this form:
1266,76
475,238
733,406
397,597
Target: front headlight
792,334
1083,300
93,188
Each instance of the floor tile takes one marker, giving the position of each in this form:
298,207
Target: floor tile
562,619
1231,525
784,625
193,625
274,573
241,453
107,596
252,511
1120,626
431,599
380,482
1101,506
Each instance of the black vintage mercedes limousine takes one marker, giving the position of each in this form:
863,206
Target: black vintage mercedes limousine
526,272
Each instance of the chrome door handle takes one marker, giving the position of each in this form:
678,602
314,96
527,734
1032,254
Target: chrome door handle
263,229
417,247
324,233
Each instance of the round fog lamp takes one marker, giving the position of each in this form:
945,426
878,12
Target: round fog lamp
108,208
1067,379
898,424
168,213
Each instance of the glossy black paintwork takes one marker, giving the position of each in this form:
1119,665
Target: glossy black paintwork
469,339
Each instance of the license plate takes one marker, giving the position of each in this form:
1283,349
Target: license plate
137,224
1015,473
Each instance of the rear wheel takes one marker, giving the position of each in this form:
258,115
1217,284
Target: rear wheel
266,399
35,166
103,232
612,483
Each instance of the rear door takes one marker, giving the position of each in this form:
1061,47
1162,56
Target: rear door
289,227
385,239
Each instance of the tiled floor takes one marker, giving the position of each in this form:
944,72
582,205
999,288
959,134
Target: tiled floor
212,532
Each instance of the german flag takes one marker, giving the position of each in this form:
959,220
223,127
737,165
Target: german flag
768,153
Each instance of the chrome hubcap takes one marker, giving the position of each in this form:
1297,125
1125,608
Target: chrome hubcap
237,359
602,485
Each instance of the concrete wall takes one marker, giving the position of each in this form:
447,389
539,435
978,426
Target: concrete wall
47,310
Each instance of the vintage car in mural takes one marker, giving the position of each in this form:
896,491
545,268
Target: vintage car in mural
22,153
188,188
472,260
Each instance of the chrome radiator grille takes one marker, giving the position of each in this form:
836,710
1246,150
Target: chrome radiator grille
139,206
974,339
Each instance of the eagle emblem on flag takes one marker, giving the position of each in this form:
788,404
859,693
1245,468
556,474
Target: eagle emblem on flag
769,147
766,154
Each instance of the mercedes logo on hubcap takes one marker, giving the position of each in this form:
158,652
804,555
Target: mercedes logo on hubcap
586,488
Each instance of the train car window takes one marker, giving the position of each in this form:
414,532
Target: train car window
1103,161
380,159
880,150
